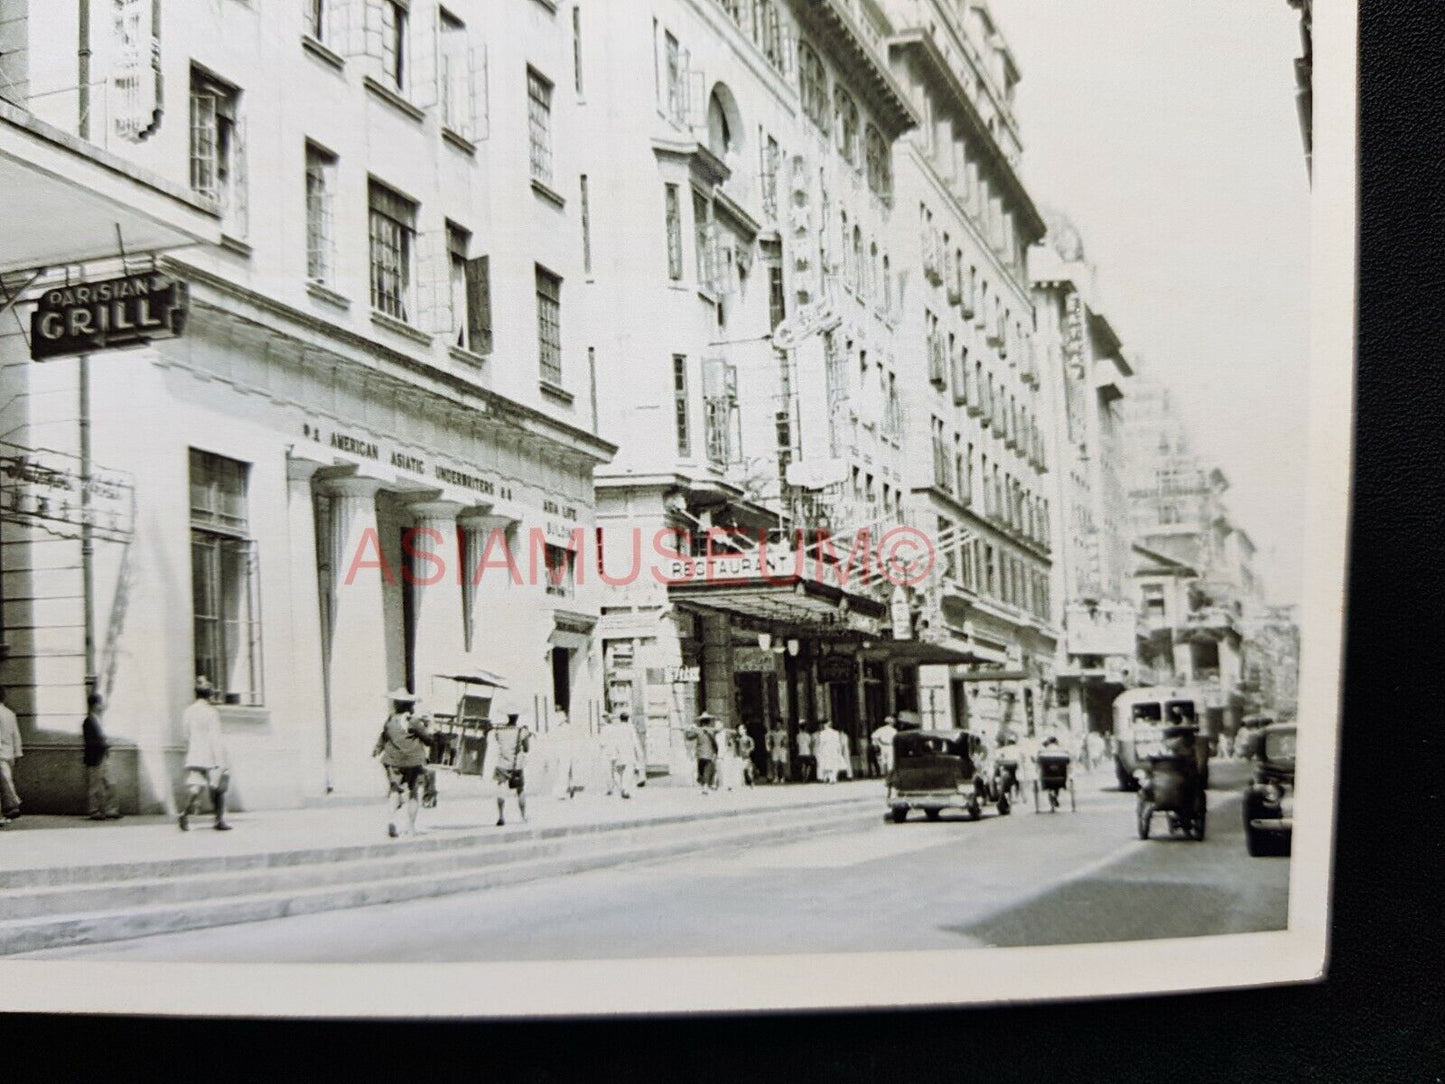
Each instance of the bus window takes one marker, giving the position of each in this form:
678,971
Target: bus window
1181,711
1147,713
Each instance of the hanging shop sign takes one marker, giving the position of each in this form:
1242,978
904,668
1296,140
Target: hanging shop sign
127,311
46,489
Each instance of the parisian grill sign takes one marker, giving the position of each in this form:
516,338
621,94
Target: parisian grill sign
127,311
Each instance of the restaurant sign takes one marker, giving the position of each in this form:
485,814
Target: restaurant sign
127,311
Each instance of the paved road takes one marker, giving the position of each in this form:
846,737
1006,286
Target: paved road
1024,879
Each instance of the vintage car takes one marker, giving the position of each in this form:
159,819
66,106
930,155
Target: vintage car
934,770
1269,801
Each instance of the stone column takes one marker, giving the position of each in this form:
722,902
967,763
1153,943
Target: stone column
439,644
498,632
357,665
717,667
307,708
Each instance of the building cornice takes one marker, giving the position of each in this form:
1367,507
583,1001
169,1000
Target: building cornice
866,66
918,43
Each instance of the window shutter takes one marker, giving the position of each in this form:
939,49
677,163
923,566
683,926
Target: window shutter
481,127
433,284
203,143
479,304
714,378
239,216
423,32
695,99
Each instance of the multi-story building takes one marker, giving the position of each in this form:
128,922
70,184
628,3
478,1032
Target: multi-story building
745,303
1086,377
1271,652
381,384
1178,515
975,450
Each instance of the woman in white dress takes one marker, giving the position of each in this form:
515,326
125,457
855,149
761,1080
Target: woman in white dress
829,751
729,761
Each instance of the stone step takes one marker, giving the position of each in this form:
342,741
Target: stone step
248,897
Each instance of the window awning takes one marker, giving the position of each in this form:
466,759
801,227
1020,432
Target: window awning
925,653
65,200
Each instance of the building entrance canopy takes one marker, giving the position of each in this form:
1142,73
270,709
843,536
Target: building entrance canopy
67,202
812,606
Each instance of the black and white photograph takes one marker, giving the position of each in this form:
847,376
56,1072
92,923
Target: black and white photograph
582,507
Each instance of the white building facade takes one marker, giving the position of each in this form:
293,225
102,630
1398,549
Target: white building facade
380,389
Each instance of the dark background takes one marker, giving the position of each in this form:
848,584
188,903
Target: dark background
1379,1014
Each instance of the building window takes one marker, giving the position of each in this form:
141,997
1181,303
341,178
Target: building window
393,44
845,111
777,298
316,19
586,214
393,243
887,287
673,59
768,33
560,578
457,78
539,125
704,240
471,293
218,151
673,218
577,48
320,197
225,587
549,325
679,405
720,410
719,131
879,164
813,86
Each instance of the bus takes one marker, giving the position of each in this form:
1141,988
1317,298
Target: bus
1140,715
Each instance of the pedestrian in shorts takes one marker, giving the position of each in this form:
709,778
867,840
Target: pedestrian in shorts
404,748
207,761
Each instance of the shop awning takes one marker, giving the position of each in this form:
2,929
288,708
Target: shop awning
476,676
68,201
924,653
803,602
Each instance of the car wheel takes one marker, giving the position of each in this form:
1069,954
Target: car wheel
932,814
1255,842
1144,815
900,814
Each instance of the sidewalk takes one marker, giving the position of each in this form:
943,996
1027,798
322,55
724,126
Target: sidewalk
52,842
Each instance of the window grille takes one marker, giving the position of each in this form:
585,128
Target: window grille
673,220
320,195
393,240
680,405
218,149
225,581
539,124
549,326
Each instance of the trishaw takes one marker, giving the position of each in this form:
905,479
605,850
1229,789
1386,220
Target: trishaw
1052,778
934,770
1004,785
461,735
1170,782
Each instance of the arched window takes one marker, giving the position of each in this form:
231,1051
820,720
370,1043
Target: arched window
813,86
845,111
719,132
880,164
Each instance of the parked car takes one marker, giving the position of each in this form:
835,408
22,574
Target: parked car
1269,801
934,770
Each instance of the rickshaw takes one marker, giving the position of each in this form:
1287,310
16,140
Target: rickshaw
1170,782
934,770
1053,777
461,735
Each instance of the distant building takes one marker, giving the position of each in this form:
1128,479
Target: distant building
1086,378
1184,535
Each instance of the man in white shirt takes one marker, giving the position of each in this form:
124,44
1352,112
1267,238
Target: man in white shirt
207,762
882,739
10,752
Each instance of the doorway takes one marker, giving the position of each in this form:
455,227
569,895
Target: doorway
562,680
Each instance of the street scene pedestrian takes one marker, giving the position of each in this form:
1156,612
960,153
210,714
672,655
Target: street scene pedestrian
730,763
11,750
777,743
831,753
705,737
504,764
807,763
623,748
746,749
101,800
404,747
207,761
881,742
